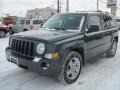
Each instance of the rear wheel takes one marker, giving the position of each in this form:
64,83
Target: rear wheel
2,34
112,50
25,30
71,68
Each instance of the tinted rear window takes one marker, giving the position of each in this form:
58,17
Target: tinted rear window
37,22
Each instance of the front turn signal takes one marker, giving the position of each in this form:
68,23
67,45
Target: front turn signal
53,55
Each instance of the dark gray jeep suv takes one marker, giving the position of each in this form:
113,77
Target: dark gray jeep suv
64,43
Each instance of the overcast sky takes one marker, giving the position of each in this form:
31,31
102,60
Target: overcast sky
20,7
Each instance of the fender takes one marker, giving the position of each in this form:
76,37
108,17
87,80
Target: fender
73,44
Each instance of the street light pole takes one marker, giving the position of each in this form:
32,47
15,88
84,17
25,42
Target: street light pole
58,6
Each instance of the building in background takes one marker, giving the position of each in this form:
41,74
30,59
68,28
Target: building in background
113,5
41,13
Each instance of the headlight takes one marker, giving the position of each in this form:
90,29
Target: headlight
40,49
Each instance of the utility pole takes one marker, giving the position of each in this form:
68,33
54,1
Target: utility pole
58,6
67,6
1,7
97,5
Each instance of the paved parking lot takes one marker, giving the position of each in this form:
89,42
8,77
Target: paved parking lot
100,74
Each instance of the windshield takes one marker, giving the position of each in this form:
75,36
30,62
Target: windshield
64,22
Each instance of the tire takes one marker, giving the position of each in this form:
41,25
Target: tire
112,50
22,67
2,34
71,68
25,30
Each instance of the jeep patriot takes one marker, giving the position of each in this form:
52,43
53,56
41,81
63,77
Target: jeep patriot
64,43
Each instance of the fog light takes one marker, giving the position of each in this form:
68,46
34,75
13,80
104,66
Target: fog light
45,66
53,55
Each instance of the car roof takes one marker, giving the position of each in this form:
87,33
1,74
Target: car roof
87,13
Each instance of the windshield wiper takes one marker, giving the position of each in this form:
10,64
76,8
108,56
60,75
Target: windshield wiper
54,28
59,28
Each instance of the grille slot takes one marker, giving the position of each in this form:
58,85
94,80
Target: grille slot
23,47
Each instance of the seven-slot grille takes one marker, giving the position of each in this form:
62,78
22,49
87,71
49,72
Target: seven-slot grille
23,47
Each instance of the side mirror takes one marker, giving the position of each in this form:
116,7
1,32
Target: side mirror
93,28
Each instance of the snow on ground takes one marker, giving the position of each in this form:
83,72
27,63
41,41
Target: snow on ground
99,74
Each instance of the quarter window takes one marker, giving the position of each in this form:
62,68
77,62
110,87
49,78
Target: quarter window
108,22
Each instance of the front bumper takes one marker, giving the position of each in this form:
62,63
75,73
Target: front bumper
43,66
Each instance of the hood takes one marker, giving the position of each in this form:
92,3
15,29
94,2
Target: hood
47,35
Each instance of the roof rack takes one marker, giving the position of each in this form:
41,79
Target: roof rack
99,11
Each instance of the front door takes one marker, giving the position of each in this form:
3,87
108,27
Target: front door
94,37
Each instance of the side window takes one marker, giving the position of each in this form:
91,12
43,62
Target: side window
22,22
37,22
27,22
94,24
107,22
113,22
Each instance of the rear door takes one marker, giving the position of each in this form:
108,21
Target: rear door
27,25
94,36
108,23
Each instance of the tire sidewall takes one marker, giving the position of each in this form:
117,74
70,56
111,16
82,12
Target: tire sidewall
109,52
63,74
114,41
2,36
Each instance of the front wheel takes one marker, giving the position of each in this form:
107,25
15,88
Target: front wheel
2,34
112,50
71,68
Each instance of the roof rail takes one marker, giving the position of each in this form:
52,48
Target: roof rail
91,11
87,11
99,11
